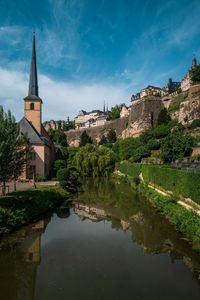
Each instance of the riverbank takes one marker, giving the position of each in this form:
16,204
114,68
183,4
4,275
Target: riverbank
186,221
23,207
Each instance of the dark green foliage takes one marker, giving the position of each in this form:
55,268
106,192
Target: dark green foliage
63,174
194,124
58,136
161,131
185,221
14,149
23,207
115,112
180,182
133,170
85,139
196,74
153,144
103,140
176,146
40,179
136,180
174,106
95,161
147,135
111,136
71,156
141,152
108,145
124,149
163,117
59,164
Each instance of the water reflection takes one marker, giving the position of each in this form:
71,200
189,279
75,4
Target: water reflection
129,211
19,258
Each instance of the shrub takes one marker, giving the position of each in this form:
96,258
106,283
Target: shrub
59,164
111,136
63,174
40,178
175,106
85,139
196,74
103,140
136,180
140,153
163,117
124,149
153,144
161,131
194,124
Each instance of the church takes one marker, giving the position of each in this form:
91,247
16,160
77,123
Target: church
42,148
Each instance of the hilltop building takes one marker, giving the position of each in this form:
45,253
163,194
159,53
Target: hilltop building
91,119
43,151
125,111
187,80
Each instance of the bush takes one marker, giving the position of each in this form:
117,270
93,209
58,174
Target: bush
63,174
59,164
136,180
153,144
161,131
85,139
163,117
103,140
196,75
194,124
111,136
140,153
126,148
175,106
40,178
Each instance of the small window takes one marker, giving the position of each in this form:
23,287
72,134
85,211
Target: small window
33,156
32,106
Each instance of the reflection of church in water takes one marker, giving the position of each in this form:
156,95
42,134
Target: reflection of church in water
19,261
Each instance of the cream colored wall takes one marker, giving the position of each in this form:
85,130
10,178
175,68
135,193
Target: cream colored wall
33,115
39,161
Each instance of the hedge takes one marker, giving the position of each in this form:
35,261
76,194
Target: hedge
180,182
130,169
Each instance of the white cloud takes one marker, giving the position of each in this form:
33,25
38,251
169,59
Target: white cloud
60,99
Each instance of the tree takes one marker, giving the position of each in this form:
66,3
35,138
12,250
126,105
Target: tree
85,139
163,117
111,136
59,164
140,153
196,74
124,149
103,140
115,112
14,149
94,161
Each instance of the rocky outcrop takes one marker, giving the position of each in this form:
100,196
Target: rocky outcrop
144,113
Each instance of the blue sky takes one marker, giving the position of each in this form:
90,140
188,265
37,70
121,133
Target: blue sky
91,51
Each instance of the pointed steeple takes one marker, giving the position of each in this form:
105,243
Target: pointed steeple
33,82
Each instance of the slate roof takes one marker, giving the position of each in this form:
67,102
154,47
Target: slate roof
34,137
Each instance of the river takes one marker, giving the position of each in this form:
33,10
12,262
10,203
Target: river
110,244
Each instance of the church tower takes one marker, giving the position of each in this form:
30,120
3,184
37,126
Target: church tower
33,103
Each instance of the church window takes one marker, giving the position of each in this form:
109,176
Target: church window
32,106
33,156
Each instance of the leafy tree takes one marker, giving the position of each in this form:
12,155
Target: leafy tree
161,131
176,146
14,149
147,135
115,112
153,144
85,139
196,74
103,140
58,136
71,161
126,148
67,177
163,117
59,164
94,161
140,153
111,137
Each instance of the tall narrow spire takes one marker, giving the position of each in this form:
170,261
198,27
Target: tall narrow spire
33,82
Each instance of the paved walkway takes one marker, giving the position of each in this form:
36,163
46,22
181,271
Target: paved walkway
21,186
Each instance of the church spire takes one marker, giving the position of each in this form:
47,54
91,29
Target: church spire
33,82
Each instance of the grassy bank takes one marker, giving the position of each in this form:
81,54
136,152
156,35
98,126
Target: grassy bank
23,207
187,222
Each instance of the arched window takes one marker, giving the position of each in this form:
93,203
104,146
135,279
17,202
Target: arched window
32,106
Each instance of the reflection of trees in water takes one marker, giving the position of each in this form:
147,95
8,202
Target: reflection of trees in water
18,263
63,212
126,210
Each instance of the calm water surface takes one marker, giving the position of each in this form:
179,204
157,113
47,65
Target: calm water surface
109,245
